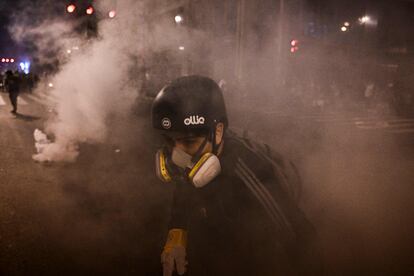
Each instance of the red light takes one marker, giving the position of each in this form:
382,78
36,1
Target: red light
7,60
12,60
294,43
89,10
3,60
70,8
293,49
112,14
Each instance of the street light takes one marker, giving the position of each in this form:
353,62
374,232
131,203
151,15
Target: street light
346,24
181,48
71,8
25,66
344,29
178,19
112,14
364,19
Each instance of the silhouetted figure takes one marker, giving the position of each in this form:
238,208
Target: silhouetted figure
12,86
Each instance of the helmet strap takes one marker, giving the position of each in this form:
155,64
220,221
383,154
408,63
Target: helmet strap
210,137
213,141
197,156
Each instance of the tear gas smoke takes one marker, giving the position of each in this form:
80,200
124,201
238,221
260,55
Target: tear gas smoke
97,81
357,185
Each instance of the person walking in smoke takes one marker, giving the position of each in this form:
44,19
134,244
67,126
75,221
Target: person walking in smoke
12,86
234,210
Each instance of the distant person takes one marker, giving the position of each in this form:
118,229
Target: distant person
2,77
12,86
234,210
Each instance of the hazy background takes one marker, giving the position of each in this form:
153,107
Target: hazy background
107,213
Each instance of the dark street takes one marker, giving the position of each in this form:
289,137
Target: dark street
106,213
206,138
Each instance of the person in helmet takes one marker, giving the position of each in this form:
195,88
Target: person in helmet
234,210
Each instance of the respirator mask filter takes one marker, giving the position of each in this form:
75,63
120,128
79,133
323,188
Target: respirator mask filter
199,169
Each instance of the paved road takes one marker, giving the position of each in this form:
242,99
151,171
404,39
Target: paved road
106,214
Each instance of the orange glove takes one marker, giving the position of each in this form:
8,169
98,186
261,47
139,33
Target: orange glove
175,252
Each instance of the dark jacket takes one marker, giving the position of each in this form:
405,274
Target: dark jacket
12,84
246,221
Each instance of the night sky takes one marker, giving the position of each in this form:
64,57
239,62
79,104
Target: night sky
7,47
394,27
11,8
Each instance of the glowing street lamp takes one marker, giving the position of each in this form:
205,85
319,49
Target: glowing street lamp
89,10
12,60
181,48
71,8
344,29
25,66
112,14
3,60
178,19
346,24
364,19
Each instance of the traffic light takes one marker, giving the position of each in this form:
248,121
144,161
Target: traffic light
89,10
294,45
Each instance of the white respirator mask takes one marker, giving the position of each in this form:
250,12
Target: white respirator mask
200,169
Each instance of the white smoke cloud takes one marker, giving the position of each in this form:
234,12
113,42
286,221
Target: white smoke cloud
98,80
50,37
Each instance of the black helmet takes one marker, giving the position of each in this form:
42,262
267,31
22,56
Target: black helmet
189,104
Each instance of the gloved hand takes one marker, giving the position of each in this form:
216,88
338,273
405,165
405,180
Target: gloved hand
175,252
